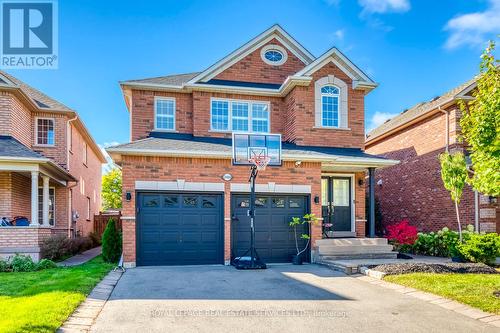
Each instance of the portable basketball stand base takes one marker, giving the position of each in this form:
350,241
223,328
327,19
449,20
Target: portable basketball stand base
252,261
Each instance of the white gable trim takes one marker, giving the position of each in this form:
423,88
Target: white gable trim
341,61
274,32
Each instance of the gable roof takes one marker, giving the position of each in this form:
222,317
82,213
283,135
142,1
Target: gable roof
421,109
177,80
42,102
274,32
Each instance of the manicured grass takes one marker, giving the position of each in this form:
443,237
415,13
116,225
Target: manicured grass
41,301
473,289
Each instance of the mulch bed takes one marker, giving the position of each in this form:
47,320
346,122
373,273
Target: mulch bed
464,268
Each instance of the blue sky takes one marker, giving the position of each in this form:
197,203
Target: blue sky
414,49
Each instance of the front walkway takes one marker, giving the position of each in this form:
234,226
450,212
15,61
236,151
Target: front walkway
283,298
82,257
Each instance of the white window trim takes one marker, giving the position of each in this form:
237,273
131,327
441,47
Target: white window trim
277,48
343,114
161,98
230,114
53,204
36,132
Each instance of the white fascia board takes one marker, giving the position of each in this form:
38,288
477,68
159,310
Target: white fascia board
330,56
14,165
23,159
274,32
155,86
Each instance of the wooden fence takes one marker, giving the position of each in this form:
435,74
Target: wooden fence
101,221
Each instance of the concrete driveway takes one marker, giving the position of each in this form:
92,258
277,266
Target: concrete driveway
283,298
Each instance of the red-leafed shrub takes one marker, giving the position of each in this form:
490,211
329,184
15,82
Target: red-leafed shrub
402,233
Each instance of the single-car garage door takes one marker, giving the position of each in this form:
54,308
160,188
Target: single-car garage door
274,239
179,229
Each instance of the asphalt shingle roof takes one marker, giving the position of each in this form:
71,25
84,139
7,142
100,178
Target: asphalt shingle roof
417,110
42,100
172,80
186,142
10,147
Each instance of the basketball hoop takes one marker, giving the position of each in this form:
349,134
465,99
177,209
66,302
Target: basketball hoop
260,160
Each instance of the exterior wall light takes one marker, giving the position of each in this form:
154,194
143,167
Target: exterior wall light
128,196
227,177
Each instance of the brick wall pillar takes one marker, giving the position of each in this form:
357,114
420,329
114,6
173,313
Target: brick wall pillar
227,223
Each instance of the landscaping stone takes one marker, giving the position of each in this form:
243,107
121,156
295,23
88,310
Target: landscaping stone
405,268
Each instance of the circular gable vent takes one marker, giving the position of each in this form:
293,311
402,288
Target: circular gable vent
273,55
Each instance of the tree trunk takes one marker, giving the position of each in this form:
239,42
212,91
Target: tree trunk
458,220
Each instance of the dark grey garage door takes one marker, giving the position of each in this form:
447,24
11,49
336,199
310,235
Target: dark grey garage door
274,239
179,229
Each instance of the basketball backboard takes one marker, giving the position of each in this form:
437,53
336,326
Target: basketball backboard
248,145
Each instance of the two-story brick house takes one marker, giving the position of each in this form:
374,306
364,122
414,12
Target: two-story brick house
184,201
413,189
50,169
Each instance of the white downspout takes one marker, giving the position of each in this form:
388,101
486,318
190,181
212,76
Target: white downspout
447,113
70,201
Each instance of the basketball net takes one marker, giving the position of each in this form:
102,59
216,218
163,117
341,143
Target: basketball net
260,160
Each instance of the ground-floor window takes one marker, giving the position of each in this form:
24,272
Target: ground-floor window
52,196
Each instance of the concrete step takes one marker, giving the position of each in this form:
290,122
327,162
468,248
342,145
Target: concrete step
354,249
351,241
382,255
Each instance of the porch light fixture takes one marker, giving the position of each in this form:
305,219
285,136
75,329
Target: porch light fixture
227,177
361,182
298,163
316,199
128,196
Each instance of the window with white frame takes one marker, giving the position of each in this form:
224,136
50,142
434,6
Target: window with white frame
51,205
239,116
45,131
165,114
330,106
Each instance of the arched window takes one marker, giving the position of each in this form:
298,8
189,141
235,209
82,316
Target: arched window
330,106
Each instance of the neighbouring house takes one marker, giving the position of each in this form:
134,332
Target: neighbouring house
50,169
413,189
183,200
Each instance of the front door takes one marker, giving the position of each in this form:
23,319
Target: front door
336,204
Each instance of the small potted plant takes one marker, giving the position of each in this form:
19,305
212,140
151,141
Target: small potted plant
297,221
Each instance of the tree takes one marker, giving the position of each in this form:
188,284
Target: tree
454,175
481,125
112,189
111,243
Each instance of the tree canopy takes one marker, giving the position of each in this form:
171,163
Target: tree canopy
481,125
112,189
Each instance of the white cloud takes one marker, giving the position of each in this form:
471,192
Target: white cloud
473,28
378,119
339,34
384,6
110,165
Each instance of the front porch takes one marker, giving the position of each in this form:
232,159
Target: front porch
34,204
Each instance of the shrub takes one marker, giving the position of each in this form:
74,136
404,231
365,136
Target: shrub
79,245
4,265
481,248
45,264
55,247
95,238
442,243
22,263
402,234
111,243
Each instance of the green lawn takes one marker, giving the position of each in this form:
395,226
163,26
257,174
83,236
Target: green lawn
473,289
41,301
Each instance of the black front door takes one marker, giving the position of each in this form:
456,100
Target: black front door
336,203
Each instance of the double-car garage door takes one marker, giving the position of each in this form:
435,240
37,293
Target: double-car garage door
187,228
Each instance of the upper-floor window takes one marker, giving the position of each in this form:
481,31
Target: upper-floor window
239,116
45,131
85,153
330,106
164,114
330,103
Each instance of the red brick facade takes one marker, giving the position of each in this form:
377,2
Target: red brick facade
292,115
18,120
413,189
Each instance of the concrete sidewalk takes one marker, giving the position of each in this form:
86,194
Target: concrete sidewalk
82,257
